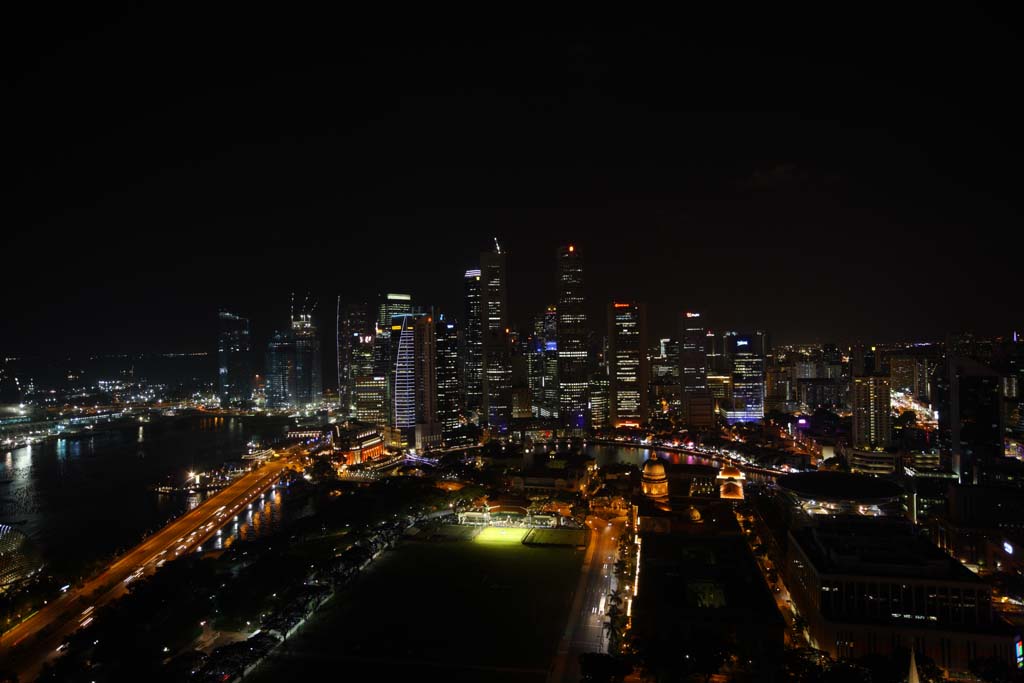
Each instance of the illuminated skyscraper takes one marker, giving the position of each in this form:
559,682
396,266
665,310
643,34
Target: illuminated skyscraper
389,307
449,386
572,340
280,381
472,364
234,359
308,362
872,416
496,371
355,335
370,398
413,382
746,353
628,367
693,355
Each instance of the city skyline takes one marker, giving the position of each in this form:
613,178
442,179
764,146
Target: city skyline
747,194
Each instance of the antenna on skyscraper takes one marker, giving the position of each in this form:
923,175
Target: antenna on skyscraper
497,247
291,308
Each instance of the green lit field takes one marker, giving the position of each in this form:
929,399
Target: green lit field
489,609
500,535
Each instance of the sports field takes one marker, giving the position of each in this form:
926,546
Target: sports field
487,609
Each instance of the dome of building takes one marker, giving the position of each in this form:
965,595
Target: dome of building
653,481
18,558
654,469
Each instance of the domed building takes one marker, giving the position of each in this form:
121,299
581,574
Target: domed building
730,480
653,480
18,558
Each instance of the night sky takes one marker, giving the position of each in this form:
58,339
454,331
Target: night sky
824,178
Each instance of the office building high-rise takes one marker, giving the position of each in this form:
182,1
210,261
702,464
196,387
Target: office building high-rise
308,362
413,382
472,344
234,359
370,399
391,305
355,336
872,412
968,396
693,356
746,354
496,356
628,366
449,385
281,388
572,340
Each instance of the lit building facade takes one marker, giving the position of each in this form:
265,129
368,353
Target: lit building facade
872,412
693,355
413,382
496,371
572,340
746,353
308,362
473,346
371,395
628,366
355,337
234,359
449,386
280,378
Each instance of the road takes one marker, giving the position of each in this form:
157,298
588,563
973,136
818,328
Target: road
584,631
27,646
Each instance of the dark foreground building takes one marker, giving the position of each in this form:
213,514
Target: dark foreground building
708,592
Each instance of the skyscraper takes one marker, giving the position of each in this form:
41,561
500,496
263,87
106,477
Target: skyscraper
628,367
693,356
392,305
496,371
872,416
472,364
413,382
355,336
234,359
308,362
371,395
449,386
968,397
746,353
572,340
280,380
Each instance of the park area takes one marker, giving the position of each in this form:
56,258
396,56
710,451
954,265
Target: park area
468,606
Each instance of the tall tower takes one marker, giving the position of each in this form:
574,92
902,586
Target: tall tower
746,351
413,381
449,387
234,359
872,421
308,363
693,355
355,351
629,371
281,385
496,370
572,340
392,305
472,363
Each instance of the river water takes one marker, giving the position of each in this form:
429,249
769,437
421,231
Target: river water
83,498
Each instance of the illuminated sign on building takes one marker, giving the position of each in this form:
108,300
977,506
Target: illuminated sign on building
692,315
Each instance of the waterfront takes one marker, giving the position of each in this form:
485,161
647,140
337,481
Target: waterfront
81,499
